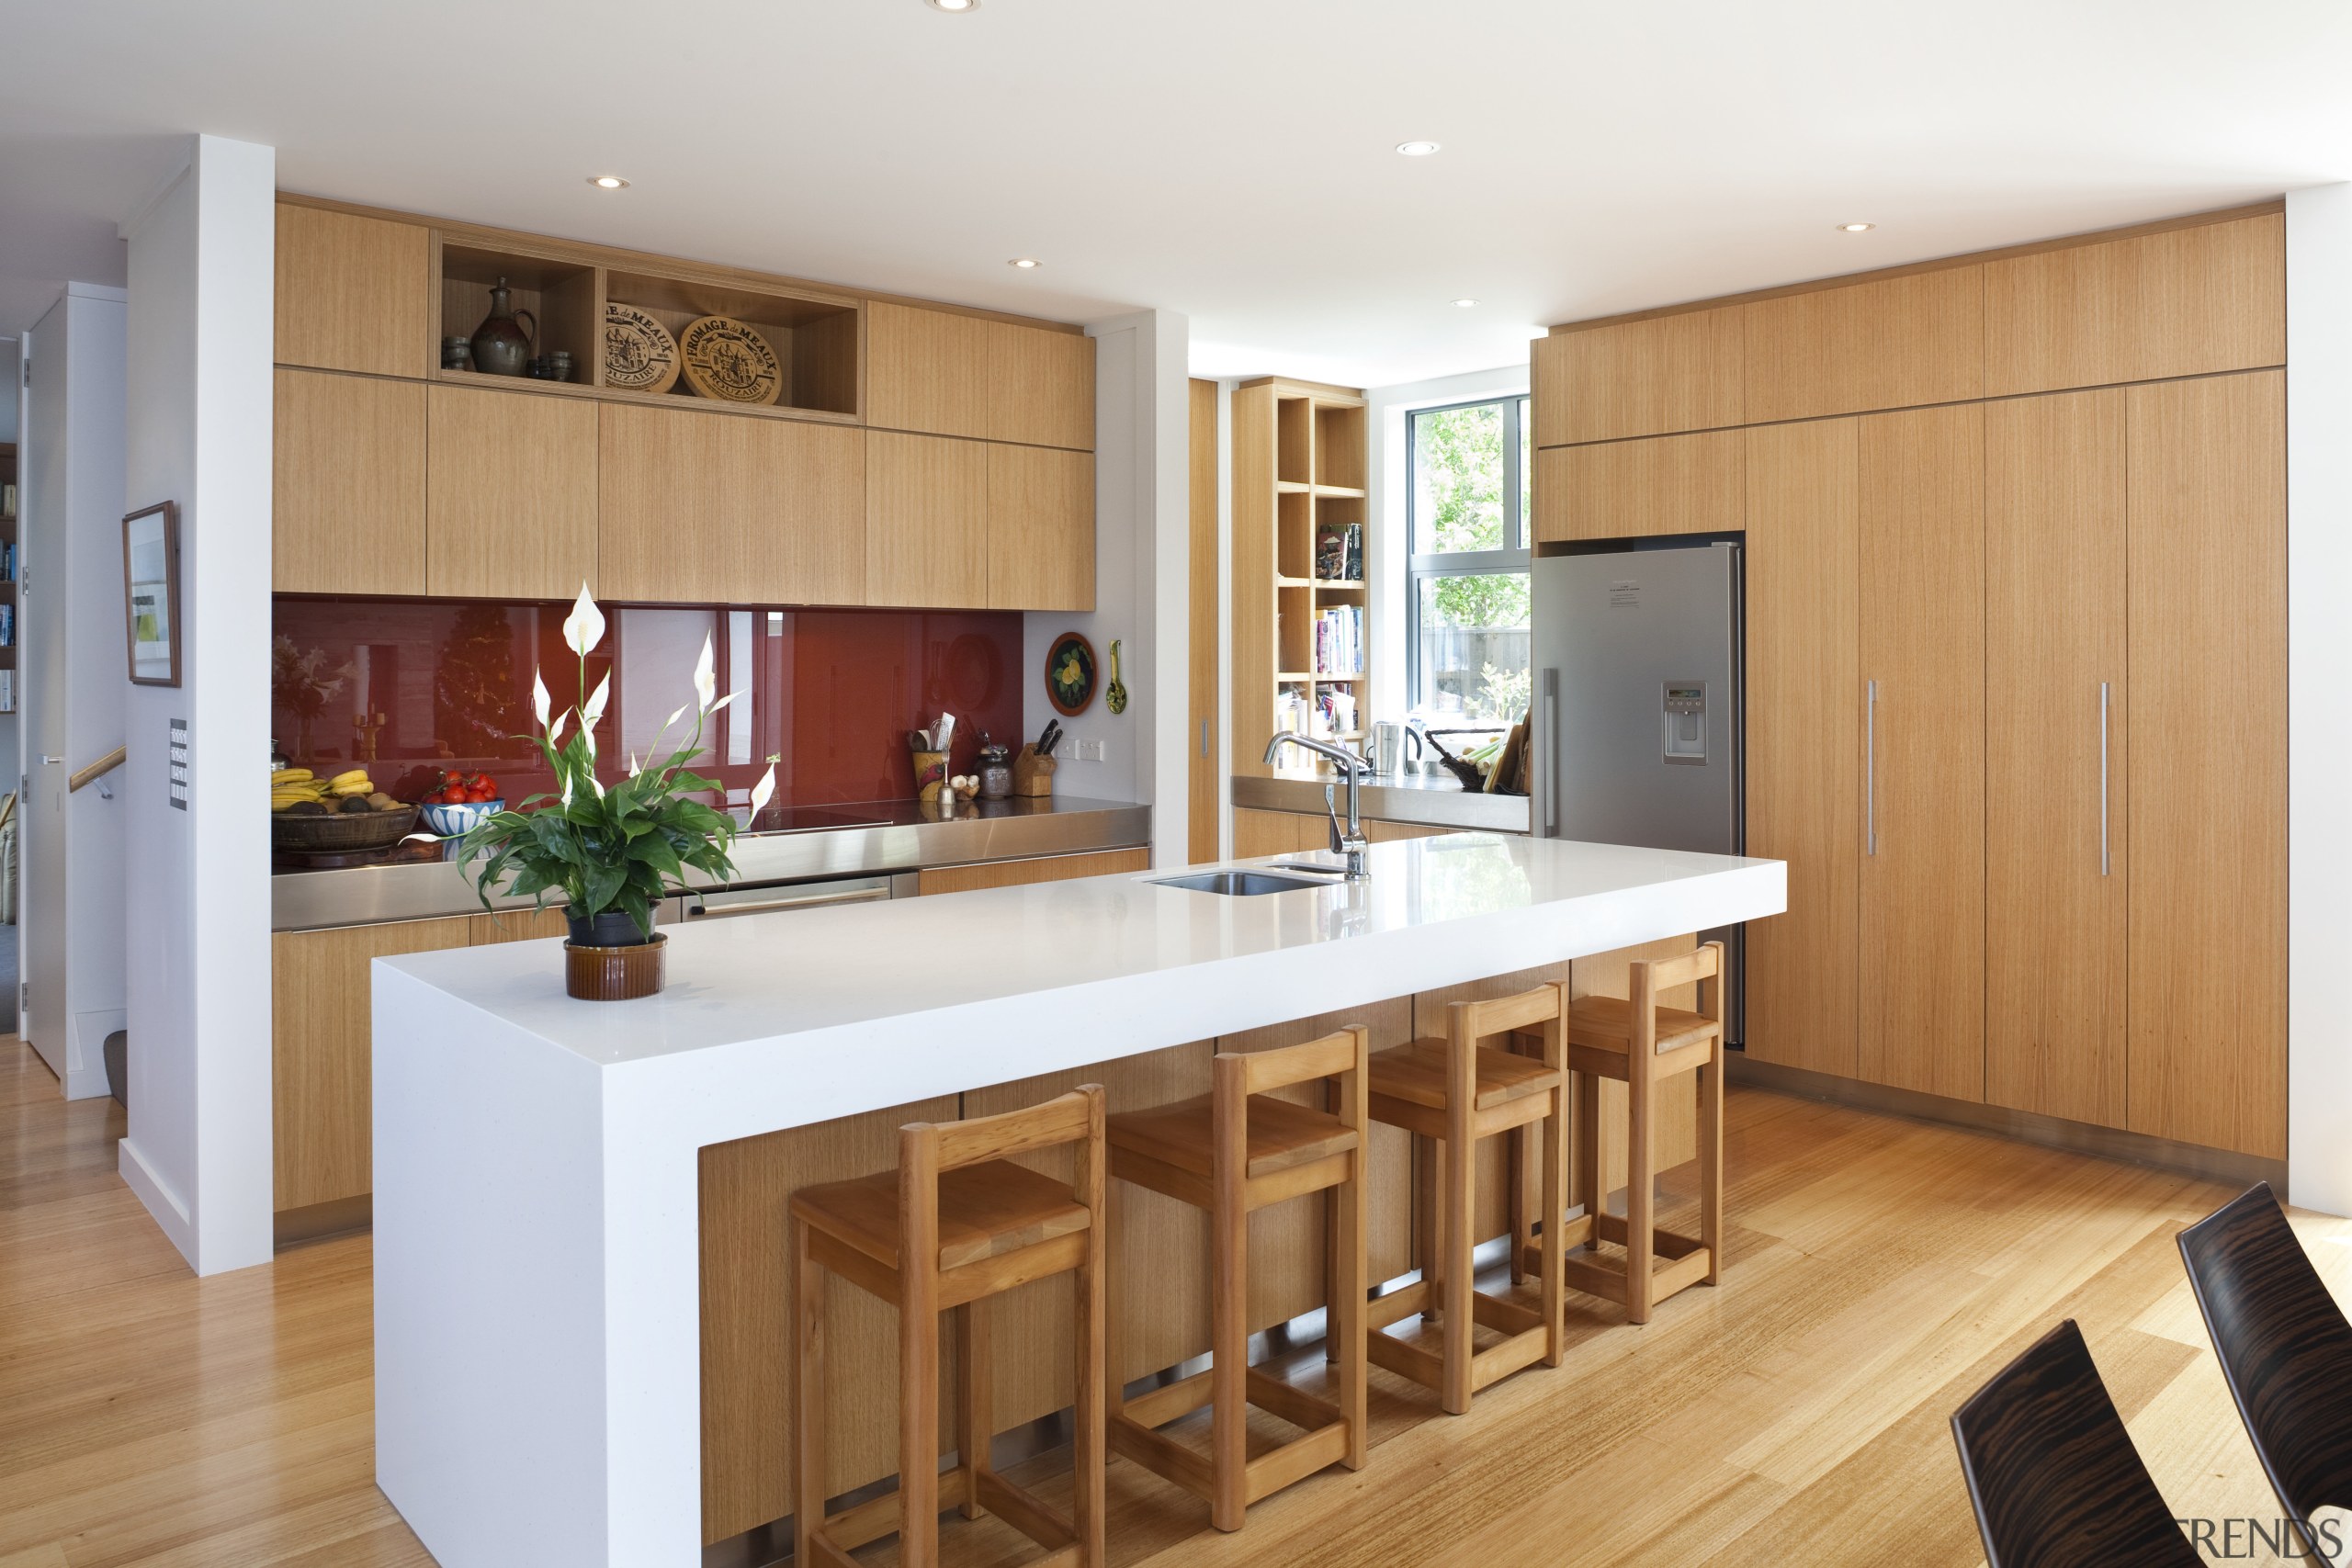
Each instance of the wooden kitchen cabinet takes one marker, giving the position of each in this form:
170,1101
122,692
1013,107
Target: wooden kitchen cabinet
926,370
1889,344
720,509
510,500
1653,377
926,521
2207,770
1032,869
1619,490
352,293
2056,852
1260,833
2183,301
319,1066
1921,503
1805,741
1040,387
347,492
1041,528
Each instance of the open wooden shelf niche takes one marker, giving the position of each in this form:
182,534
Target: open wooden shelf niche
813,334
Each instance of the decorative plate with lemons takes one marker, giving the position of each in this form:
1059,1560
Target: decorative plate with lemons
1070,675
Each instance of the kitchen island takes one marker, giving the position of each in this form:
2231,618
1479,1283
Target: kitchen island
543,1260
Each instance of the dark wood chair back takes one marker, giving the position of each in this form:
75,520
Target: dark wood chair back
2283,1345
2052,1474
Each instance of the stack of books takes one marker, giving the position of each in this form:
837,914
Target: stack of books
1339,640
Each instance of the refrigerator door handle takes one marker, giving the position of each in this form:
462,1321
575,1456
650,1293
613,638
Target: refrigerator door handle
1547,756
1870,768
2102,779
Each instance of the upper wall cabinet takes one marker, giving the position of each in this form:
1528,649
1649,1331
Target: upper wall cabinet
1041,387
347,495
352,293
700,510
2183,302
926,521
1666,484
1894,343
952,375
509,506
1041,529
1653,377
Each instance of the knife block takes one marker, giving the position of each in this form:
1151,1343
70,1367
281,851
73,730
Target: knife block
1033,774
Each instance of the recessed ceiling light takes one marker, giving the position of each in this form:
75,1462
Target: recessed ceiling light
1026,264
955,5
1417,149
1856,228
1466,304
608,182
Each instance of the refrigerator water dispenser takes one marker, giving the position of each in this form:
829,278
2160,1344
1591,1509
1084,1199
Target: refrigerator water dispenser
1685,717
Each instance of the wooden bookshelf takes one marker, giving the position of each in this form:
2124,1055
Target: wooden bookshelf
1299,467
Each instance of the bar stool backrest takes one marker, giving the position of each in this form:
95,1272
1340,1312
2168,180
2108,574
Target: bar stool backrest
1473,1021
2283,1345
2052,1473
927,1148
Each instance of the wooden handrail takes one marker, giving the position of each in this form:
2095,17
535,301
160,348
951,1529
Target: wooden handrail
104,764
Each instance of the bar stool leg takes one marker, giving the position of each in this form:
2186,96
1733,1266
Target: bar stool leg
975,1403
917,1359
1229,1313
1516,1170
1461,1163
808,1396
1641,1239
1590,1189
1429,1248
1554,1129
1710,1161
1343,1317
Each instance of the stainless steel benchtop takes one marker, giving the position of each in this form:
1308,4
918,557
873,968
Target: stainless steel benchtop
1433,801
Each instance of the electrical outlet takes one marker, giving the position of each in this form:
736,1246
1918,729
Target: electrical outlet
1089,751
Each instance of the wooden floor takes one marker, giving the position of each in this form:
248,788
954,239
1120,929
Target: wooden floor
1880,1270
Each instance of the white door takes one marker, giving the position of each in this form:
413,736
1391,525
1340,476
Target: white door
40,660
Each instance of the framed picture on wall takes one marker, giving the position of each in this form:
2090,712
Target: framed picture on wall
151,592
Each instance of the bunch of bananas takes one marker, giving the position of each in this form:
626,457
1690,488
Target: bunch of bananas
298,789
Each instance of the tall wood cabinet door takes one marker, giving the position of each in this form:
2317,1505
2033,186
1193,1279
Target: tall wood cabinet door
1804,707
1041,387
2054,755
2208,768
1653,377
347,496
510,498
1041,528
1922,489
1889,344
2185,302
352,293
926,521
320,1068
926,370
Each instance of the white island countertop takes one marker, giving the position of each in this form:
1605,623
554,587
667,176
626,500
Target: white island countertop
536,1183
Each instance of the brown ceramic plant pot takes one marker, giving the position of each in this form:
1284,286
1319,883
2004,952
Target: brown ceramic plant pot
607,959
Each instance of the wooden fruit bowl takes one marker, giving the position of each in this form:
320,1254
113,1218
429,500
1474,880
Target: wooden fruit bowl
353,832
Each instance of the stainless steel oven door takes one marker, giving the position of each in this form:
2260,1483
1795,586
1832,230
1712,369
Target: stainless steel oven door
762,898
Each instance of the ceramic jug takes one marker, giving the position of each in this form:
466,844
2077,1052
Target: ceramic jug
502,345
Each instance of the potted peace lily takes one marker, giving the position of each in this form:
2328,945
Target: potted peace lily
610,855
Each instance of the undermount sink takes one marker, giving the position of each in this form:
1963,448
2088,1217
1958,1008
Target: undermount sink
1239,883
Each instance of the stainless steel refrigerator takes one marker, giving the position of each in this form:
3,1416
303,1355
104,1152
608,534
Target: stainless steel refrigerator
1638,697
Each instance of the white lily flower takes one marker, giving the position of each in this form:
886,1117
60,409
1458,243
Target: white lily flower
541,702
589,736
585,627
595,709
567,791
597,784
706,675
554,730
724,701
763,791
634,769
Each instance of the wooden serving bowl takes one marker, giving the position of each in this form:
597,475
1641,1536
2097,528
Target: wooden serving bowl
340,832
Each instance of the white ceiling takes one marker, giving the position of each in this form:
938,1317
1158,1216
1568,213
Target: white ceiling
1229,159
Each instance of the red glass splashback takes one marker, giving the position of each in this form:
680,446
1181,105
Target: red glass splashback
828,693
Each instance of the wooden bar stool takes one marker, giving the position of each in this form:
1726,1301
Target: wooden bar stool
1453,1092
1233,1152
955,1223
1643,1045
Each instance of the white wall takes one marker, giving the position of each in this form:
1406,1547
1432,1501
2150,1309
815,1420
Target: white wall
1141,436
1385,412
199,428
11,427
72,841
2319,676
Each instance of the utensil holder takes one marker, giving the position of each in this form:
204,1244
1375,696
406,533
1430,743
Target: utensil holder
930,775
1033,774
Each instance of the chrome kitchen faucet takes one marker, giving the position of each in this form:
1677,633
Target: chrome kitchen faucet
1352,843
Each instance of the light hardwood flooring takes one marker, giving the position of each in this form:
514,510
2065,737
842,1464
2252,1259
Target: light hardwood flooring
1880,1270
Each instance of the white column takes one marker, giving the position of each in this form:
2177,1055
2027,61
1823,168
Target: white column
2319,682
202,261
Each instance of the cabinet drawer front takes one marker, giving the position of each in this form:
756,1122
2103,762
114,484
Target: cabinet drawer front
348,498
1655,377
1619,490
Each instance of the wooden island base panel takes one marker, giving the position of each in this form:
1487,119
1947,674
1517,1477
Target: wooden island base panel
1159,1292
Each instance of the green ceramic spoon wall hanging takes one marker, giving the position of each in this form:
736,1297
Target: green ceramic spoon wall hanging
1115,696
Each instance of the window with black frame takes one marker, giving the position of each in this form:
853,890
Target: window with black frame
1466,580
